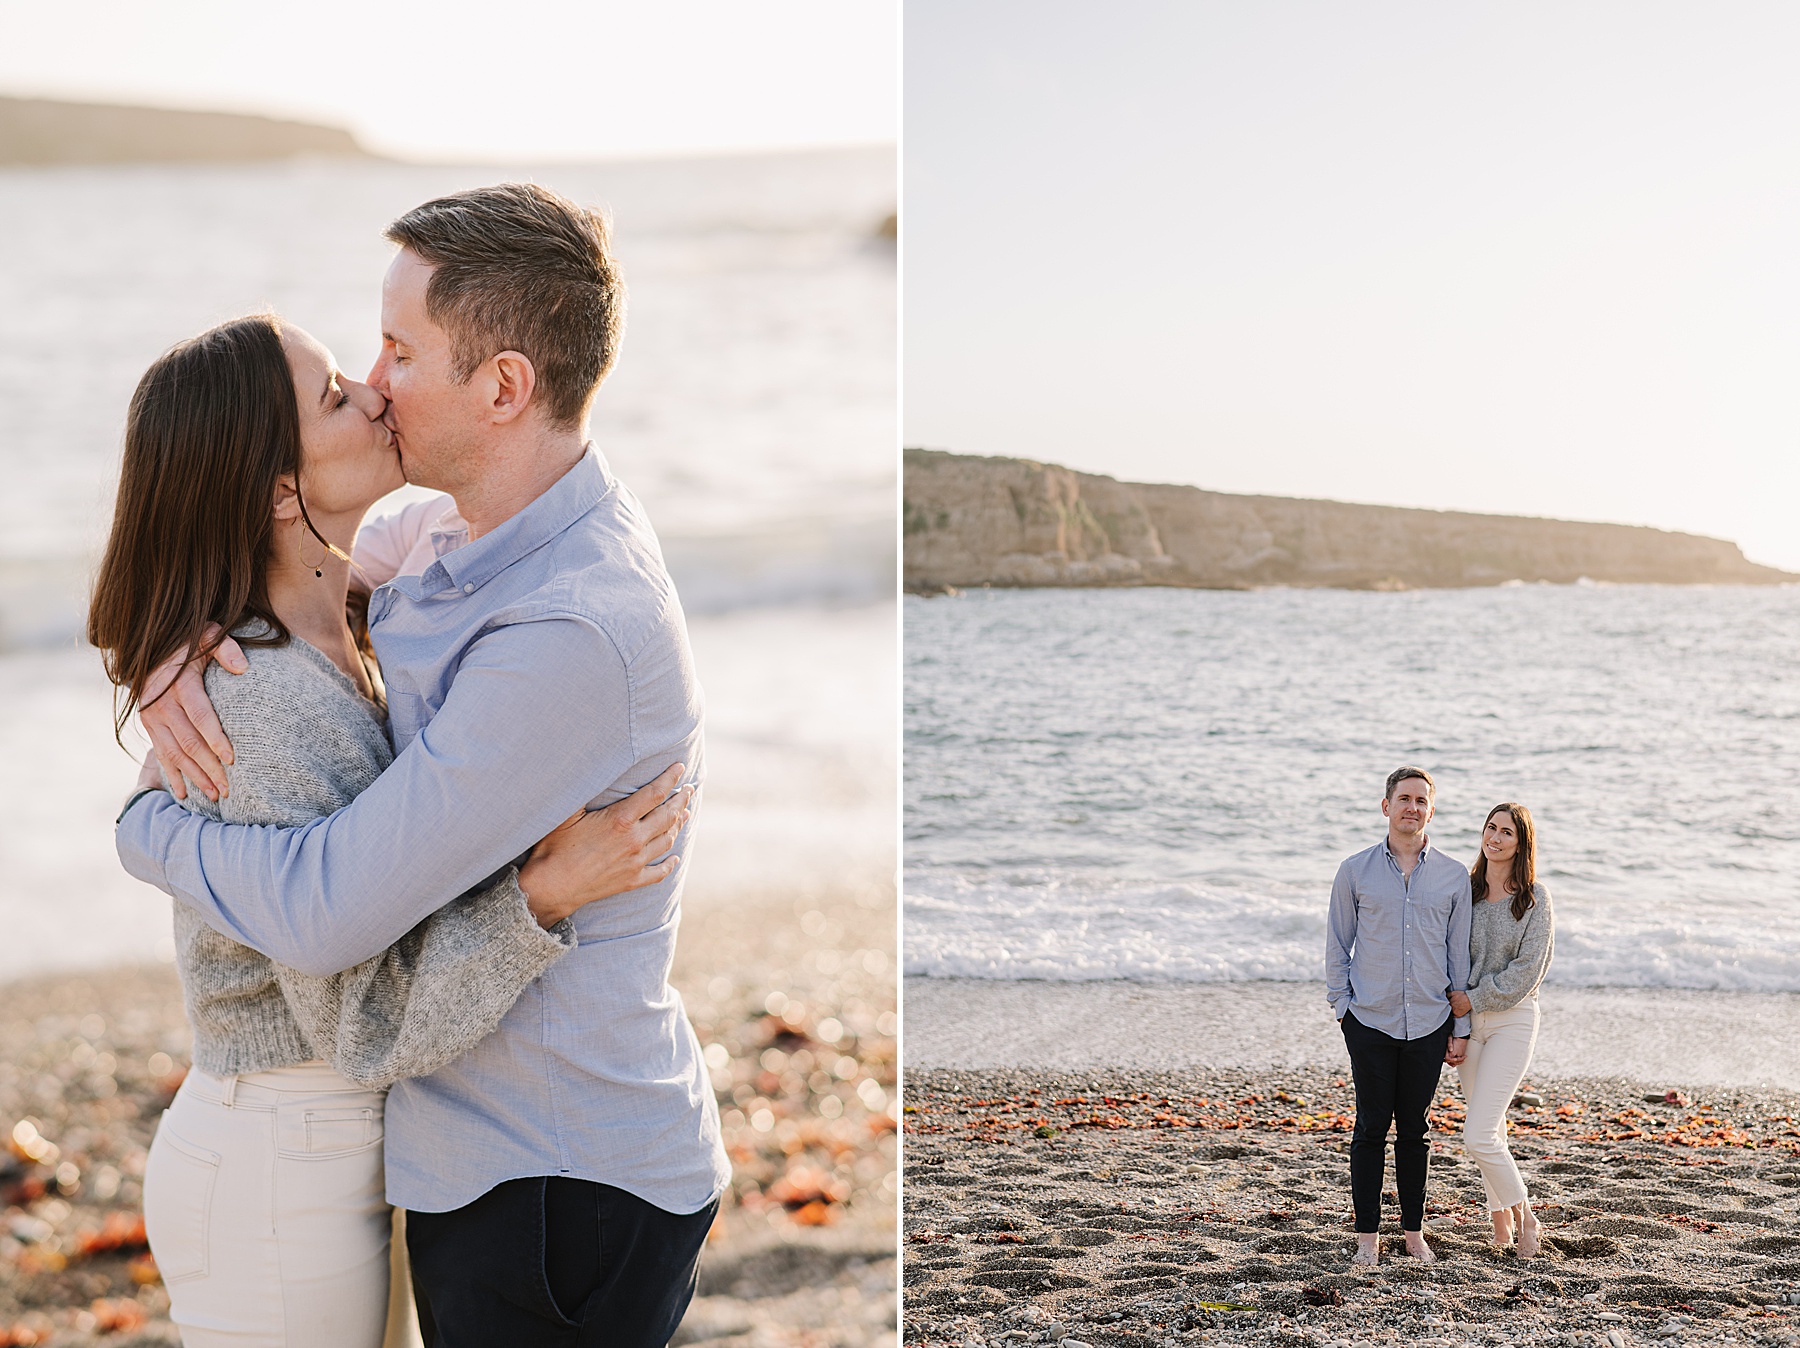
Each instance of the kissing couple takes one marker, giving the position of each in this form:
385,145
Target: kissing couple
1429,963
420,790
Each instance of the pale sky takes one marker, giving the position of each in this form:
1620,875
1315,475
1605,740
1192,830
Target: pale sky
531,80
1521,257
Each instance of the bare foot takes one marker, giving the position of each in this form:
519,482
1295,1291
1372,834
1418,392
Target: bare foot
1368,1250
1503,1228
1417,1248
1529,1233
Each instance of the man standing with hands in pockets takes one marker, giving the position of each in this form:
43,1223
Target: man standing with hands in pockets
1396,947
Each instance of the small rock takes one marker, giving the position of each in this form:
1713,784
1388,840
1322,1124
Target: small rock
1609,1317
1615,1338
1531,1098
1076,1343
1057,1330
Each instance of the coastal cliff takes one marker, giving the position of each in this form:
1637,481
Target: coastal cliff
1014,522
49,131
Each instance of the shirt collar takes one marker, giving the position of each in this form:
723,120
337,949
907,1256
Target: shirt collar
1387,847
468,566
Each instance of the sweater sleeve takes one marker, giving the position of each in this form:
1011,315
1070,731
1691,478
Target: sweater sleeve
431,996
1520,976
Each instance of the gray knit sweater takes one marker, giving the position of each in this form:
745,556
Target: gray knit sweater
306,743
1508,958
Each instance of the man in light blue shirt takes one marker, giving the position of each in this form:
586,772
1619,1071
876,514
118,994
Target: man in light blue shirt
1396,947
536,662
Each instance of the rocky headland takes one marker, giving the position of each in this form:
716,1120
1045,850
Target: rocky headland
51,131
972,521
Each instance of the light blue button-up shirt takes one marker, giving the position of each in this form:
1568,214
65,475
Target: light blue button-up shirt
1396,945
540,668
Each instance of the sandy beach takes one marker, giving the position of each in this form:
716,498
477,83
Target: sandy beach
793,992
1139,1207
1067,1181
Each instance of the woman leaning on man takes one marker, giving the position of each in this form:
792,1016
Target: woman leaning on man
1511,937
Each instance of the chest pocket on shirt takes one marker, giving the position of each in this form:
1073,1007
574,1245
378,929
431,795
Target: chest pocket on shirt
1432,908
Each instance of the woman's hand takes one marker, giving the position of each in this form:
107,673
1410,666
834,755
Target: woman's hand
1456,1053
184,729
1459,1003
594,854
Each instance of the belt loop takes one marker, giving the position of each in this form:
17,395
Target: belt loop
230,1095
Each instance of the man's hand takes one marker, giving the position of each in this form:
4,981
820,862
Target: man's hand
184,730
594,854
1457,1053
1459,1003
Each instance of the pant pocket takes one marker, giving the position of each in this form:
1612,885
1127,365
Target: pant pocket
315,1133
179,1179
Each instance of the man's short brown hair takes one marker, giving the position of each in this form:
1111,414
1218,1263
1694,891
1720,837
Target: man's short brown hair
519,268
1399,775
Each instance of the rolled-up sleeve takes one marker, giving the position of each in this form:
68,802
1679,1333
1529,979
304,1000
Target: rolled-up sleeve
536,724
1340,938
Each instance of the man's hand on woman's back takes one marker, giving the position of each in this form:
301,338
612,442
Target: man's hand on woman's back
184,730
594,854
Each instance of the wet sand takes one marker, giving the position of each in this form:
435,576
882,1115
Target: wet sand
1696,1038
795,989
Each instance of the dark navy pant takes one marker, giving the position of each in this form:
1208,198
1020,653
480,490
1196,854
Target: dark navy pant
1395,1080
557,1262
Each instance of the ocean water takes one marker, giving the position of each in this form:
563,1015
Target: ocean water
1159,784
752,410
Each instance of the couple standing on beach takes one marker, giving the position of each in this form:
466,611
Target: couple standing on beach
400,764
1428,964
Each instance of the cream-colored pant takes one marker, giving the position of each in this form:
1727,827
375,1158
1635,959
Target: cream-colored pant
264,1204
1500,1044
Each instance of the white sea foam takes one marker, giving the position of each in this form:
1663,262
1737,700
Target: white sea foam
1193,933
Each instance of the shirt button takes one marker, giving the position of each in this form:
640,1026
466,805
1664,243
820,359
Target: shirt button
469,588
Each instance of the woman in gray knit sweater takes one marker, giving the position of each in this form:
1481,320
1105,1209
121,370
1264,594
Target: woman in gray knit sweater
1512,934
249,464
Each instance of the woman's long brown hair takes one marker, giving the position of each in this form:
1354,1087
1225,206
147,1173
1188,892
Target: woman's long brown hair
1524,862
213,424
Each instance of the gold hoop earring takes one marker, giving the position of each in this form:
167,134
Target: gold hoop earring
318,568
